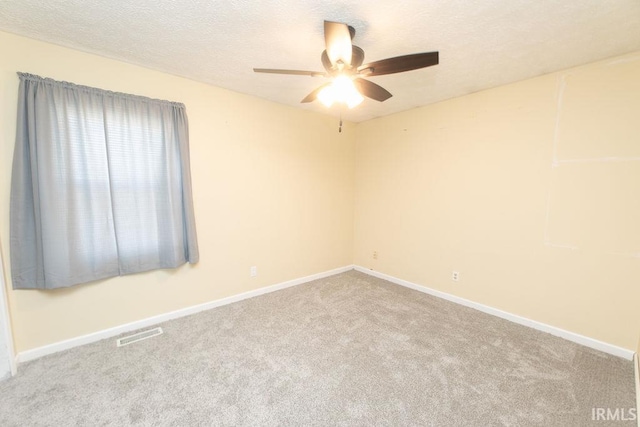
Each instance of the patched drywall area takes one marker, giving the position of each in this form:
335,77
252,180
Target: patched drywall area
595,206
594,201
529,191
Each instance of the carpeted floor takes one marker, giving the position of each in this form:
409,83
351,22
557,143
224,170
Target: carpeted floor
346,350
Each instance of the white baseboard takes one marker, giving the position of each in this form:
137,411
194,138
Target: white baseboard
636,366
577,338
35,353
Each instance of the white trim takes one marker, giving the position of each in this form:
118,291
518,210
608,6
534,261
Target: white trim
636,366
5,320
571,336
36,353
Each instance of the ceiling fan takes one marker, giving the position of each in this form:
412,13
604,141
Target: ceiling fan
343,63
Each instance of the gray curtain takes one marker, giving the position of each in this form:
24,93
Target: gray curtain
101,185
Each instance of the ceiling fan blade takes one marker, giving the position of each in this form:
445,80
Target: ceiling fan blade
357,56
372,90
337,39
399,64
326,62
295,72
312,96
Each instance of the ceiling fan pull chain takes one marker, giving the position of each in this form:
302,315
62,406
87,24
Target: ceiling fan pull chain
340,127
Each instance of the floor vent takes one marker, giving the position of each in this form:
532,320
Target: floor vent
139,336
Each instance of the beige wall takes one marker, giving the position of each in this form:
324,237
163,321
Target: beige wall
273,187
531,191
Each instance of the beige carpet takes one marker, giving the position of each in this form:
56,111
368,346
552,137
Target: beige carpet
346,350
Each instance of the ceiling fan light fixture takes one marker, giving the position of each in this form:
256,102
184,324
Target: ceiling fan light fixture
341,90
354,99
342,61
326,96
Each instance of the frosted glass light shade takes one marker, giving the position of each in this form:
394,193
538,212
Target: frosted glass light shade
341,90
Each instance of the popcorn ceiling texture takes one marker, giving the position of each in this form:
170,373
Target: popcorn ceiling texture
481,45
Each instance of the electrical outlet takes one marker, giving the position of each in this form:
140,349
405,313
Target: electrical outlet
375,254
455,276
253,271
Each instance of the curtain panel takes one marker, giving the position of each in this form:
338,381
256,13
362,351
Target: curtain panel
101,185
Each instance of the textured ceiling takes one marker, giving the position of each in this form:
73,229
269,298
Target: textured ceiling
482,44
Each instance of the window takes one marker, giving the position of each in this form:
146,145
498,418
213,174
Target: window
101,185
